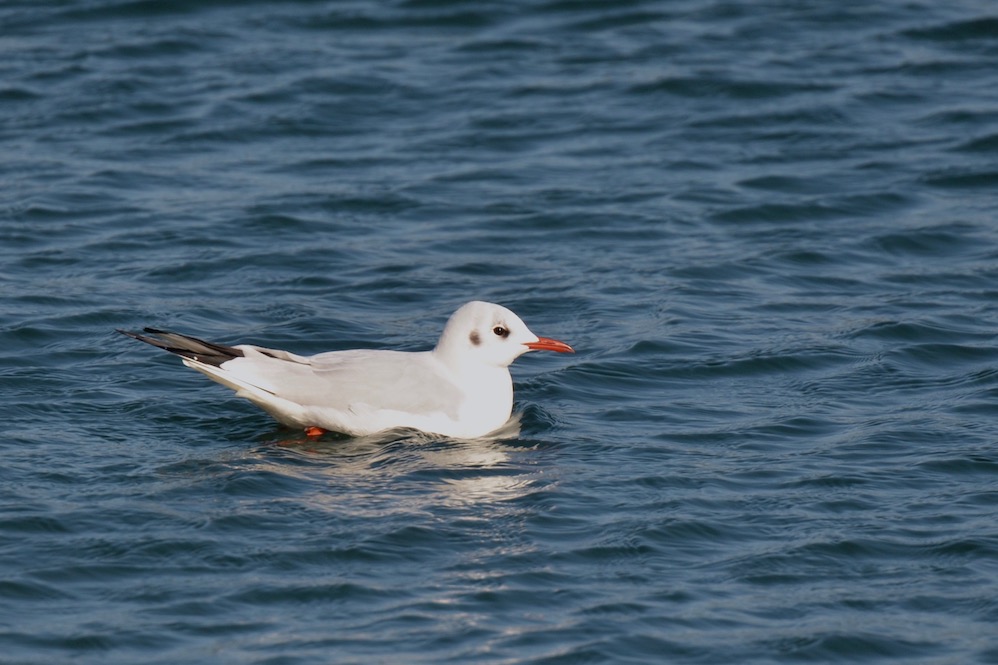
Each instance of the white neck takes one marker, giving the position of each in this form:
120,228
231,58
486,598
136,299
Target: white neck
488,397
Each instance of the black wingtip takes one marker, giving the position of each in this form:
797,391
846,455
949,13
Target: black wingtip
185,345
148,340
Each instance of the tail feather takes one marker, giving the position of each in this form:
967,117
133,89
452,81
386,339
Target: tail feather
186,346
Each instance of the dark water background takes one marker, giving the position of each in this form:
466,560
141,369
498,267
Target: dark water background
769,228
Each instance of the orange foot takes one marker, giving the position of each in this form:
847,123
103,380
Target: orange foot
313,431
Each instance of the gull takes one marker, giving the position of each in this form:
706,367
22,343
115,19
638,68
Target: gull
460,389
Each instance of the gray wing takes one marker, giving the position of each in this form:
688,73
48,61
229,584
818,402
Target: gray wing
358,380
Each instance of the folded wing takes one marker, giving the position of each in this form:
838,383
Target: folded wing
355,391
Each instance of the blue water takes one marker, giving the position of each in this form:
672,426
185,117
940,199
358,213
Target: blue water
768,228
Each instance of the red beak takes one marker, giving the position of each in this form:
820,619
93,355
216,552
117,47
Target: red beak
548,344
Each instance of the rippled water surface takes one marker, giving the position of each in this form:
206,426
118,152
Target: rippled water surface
768,228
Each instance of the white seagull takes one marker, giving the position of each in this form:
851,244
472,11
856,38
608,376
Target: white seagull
461,389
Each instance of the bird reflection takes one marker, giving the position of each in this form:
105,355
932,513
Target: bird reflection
413,469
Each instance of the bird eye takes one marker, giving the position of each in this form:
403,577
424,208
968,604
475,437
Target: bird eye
501,331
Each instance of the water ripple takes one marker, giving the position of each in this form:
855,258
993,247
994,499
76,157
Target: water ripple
767,230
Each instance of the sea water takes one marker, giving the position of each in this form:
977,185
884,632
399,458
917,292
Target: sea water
768,228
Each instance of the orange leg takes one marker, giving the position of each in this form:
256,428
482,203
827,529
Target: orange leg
313,431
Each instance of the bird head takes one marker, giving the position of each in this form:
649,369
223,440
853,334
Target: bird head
490,334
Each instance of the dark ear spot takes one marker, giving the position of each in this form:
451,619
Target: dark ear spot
475,338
